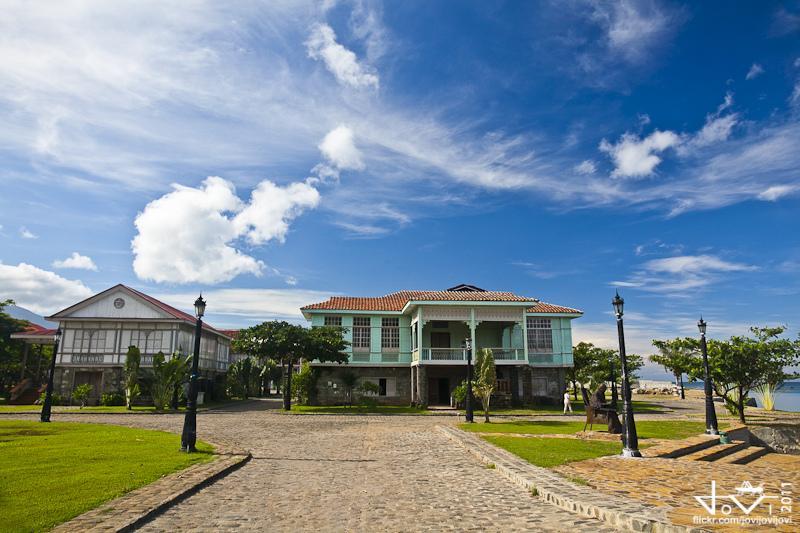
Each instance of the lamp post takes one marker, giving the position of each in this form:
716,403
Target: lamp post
630,439
614,395
48,395
468,401
189,435
711,414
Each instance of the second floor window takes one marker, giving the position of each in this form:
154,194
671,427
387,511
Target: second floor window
540,335
390,334
333,321
361,333
148,341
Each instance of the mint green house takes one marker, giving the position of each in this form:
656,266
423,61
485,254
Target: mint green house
410,343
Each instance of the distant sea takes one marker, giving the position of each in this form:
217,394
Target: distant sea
786,399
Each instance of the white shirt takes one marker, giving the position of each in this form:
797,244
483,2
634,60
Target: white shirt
566,397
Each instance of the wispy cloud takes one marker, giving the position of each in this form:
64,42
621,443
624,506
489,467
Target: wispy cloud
340,61
755,71
672,275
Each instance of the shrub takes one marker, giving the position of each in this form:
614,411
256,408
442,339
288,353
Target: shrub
367,391
304,384
55,399
112,398
82,393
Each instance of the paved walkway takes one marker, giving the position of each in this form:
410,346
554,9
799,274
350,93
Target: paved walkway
348,473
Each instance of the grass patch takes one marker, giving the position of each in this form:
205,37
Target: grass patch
638,407
646,429
491,466
549,452
103,408
358,409
53,472
578,480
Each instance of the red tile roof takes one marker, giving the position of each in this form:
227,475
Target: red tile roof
35,330
396,301
544,307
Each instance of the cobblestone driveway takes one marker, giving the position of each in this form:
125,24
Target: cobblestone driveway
348,473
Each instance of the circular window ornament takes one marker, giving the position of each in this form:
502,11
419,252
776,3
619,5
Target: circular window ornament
119,303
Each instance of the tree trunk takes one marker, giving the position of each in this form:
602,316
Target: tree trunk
486,408
680,382
740,406
575,390
287,391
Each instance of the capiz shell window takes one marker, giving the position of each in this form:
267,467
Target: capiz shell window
361,333
540,335
333,321
390,333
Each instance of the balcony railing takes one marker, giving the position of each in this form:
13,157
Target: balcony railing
457,355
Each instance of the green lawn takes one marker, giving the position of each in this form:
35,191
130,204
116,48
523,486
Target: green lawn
100,408
638,407
52,472
357,409
646,429
548,452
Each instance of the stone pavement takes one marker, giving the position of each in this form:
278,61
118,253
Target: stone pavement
671,484
347,473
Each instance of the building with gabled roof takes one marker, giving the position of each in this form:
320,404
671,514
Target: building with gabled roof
97,332
410,343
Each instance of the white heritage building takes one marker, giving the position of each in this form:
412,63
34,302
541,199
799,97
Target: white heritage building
97,332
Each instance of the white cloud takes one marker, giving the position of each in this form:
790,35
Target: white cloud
240,304
632,27
586,167
41,291
340,61
634,157
188,235
775,192
674,275
755,71
76,261
716,129
25,233
339,148
794,98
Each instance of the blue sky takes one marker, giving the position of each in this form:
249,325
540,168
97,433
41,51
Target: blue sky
273,154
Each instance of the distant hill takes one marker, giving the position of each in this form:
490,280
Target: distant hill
21,313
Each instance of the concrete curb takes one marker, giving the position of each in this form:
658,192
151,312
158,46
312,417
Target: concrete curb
133,510
615,511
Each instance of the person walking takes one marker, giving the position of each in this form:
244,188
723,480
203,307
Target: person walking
567,403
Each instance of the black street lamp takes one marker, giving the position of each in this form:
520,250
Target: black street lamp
48,395
711,414
189,435
468,402
614,395
630,441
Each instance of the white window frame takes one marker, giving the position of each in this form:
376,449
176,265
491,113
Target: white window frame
390,334
362,334
540,334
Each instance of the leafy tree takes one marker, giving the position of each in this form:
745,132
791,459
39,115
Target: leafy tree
82,393
304,384
133,360
594,365
10,350
289,344
240,377
270,372
367,391
676,356
349,381
741,364
166,374
582,356
485,378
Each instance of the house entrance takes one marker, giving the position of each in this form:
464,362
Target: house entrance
439,391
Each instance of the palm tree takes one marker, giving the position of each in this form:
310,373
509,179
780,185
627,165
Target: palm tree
485,378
